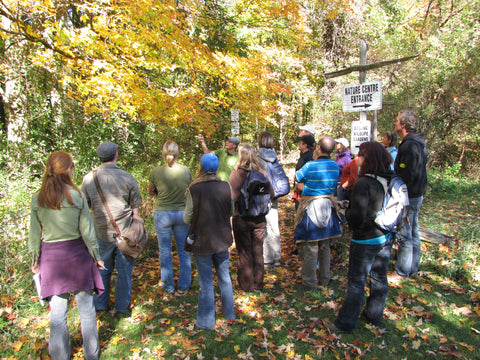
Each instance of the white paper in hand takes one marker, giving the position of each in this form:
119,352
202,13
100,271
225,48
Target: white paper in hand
36,280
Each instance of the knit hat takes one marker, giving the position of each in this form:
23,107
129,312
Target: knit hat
209,163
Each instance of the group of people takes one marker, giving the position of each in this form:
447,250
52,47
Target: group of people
370,246
77,254
201,212
321,184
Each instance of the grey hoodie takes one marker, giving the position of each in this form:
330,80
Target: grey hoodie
266,155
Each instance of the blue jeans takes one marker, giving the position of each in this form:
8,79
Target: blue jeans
365,260
167,222
408,238
113,257
59,342
206,295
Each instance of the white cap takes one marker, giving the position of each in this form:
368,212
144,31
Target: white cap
308,128
342,141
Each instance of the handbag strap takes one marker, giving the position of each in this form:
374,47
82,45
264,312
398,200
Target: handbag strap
100,192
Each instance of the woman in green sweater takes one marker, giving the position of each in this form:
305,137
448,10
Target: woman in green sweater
168,182
64,248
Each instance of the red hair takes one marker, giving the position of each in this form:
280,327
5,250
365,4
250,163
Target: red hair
56,179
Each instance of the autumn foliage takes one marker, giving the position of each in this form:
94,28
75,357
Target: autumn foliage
164,61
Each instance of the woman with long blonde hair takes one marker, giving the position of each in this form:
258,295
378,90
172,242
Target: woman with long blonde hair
64,248
168,183
249,232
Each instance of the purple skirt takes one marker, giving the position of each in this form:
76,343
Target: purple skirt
67,266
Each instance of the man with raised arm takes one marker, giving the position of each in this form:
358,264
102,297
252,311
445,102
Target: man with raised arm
227,157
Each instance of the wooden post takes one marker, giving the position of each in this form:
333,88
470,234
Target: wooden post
363,74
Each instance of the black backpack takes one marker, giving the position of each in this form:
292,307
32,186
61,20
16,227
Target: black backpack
278,178
254,196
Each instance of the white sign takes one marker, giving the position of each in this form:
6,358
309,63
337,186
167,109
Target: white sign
361,131
362,97
235,121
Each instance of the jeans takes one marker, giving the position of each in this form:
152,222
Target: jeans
167,222
408,238
365,260
313,253
271,244
113,257
206,295
341,192
59,343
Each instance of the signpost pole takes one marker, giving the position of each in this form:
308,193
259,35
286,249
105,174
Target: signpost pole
362,97
363,74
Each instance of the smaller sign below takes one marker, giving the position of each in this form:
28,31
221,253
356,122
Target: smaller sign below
235,119
361,131
362,97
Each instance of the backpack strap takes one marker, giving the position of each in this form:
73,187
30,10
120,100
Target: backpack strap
381,180
104,201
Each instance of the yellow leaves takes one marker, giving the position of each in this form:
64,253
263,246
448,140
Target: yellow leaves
169,331
416,344
17,346
443,248
467,346
116,339
139,58
159,350
411,332
41,324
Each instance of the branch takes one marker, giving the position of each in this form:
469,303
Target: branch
368,67
36,39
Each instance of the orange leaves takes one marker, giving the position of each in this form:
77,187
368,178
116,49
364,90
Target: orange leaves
145,58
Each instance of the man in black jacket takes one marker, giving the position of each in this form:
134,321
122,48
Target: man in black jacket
410,165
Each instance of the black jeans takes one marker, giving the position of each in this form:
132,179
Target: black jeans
365,260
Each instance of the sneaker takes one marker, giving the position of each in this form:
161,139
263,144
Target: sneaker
395,278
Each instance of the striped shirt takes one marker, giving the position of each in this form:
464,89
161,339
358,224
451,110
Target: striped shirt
320,177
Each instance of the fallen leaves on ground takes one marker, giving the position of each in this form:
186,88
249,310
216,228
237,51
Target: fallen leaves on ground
429,315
